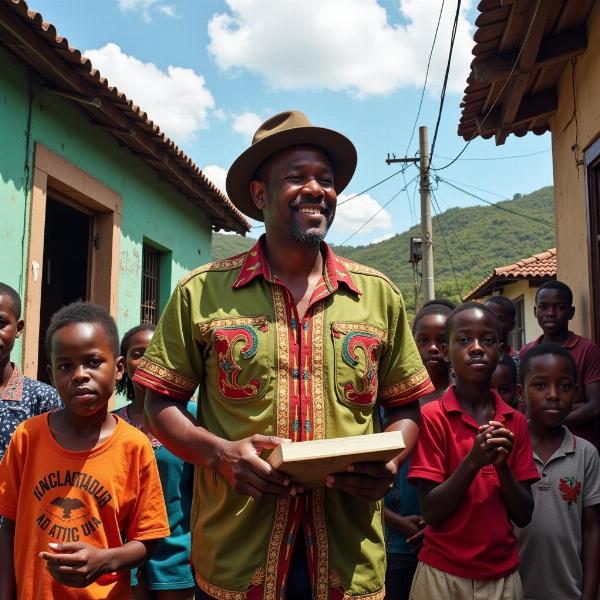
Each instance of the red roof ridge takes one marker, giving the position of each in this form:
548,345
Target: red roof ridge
537,266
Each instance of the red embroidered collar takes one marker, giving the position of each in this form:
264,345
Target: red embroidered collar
256,263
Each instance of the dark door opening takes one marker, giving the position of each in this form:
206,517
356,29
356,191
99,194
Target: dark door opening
65,272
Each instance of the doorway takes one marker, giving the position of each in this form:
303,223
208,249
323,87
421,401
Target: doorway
65,267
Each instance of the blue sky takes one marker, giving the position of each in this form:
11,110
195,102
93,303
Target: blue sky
209,71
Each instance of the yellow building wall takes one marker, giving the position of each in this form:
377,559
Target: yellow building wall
569,177
515,290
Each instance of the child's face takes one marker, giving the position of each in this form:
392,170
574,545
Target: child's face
553,311
429,337
137,346
549,389
504,384
10,326
473,346
507,323
83,367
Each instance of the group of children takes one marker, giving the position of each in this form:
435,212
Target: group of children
494,503
487,493
85,498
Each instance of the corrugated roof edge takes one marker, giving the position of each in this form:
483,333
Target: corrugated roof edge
85,69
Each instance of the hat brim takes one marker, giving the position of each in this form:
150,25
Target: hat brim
339,149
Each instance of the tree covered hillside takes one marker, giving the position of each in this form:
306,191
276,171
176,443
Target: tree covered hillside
478,238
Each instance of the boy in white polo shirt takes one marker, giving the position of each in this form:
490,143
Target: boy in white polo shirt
560,548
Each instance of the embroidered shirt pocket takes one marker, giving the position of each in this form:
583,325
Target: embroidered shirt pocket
357,349
238,357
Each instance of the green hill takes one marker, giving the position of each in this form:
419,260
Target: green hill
478,238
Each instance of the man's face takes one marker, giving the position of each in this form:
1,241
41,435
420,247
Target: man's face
296,194
507,322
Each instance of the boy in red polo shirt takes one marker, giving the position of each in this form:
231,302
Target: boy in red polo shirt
473,466
553,311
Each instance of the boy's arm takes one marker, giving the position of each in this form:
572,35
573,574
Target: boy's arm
591,551
7,567
78,564
517,496
586,412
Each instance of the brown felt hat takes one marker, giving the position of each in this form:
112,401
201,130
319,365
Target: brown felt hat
290,128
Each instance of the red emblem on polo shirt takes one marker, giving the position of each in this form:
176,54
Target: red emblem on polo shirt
570,489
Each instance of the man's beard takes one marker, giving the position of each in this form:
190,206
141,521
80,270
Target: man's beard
311,238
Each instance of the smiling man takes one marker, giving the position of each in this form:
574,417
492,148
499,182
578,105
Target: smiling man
287,342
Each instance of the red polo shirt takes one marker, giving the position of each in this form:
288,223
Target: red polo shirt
477,541
587,360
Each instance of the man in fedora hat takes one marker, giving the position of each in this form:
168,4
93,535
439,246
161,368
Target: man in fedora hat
287,342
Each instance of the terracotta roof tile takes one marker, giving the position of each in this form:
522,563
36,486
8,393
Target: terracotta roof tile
141,135
538,266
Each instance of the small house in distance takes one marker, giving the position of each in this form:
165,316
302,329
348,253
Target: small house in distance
536,69
519,282
96,203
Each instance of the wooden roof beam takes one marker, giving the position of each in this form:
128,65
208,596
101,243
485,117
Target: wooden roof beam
533,107
558,48
520,79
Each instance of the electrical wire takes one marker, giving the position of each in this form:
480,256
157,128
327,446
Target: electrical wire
439,223
453,231
497,206
414,128
377,212
498,96
446,74
501,157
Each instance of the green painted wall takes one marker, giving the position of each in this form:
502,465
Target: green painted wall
152,209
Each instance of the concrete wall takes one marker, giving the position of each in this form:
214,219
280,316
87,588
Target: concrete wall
515,290
152,209
569,178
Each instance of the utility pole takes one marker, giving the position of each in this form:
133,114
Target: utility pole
426,227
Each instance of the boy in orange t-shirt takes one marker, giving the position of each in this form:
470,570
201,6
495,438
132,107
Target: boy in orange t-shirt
76,482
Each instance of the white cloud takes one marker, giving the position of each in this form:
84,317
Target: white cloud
146,7
387,236
219,114
351,215
348,45
178,100
246,123
217,175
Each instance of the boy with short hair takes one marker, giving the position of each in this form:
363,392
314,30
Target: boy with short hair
553,310
560,548
473,467
73,482
20,396
505,312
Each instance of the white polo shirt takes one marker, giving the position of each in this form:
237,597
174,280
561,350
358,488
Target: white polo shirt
551,545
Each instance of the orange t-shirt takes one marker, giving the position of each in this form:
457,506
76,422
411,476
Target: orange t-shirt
98,496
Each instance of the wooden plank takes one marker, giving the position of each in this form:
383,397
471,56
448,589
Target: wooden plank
558,48
542,105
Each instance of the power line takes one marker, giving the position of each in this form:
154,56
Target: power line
447,221
499,95
359,193
414,128
496,205
501,157
437,211
377,212
373,186
446,74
